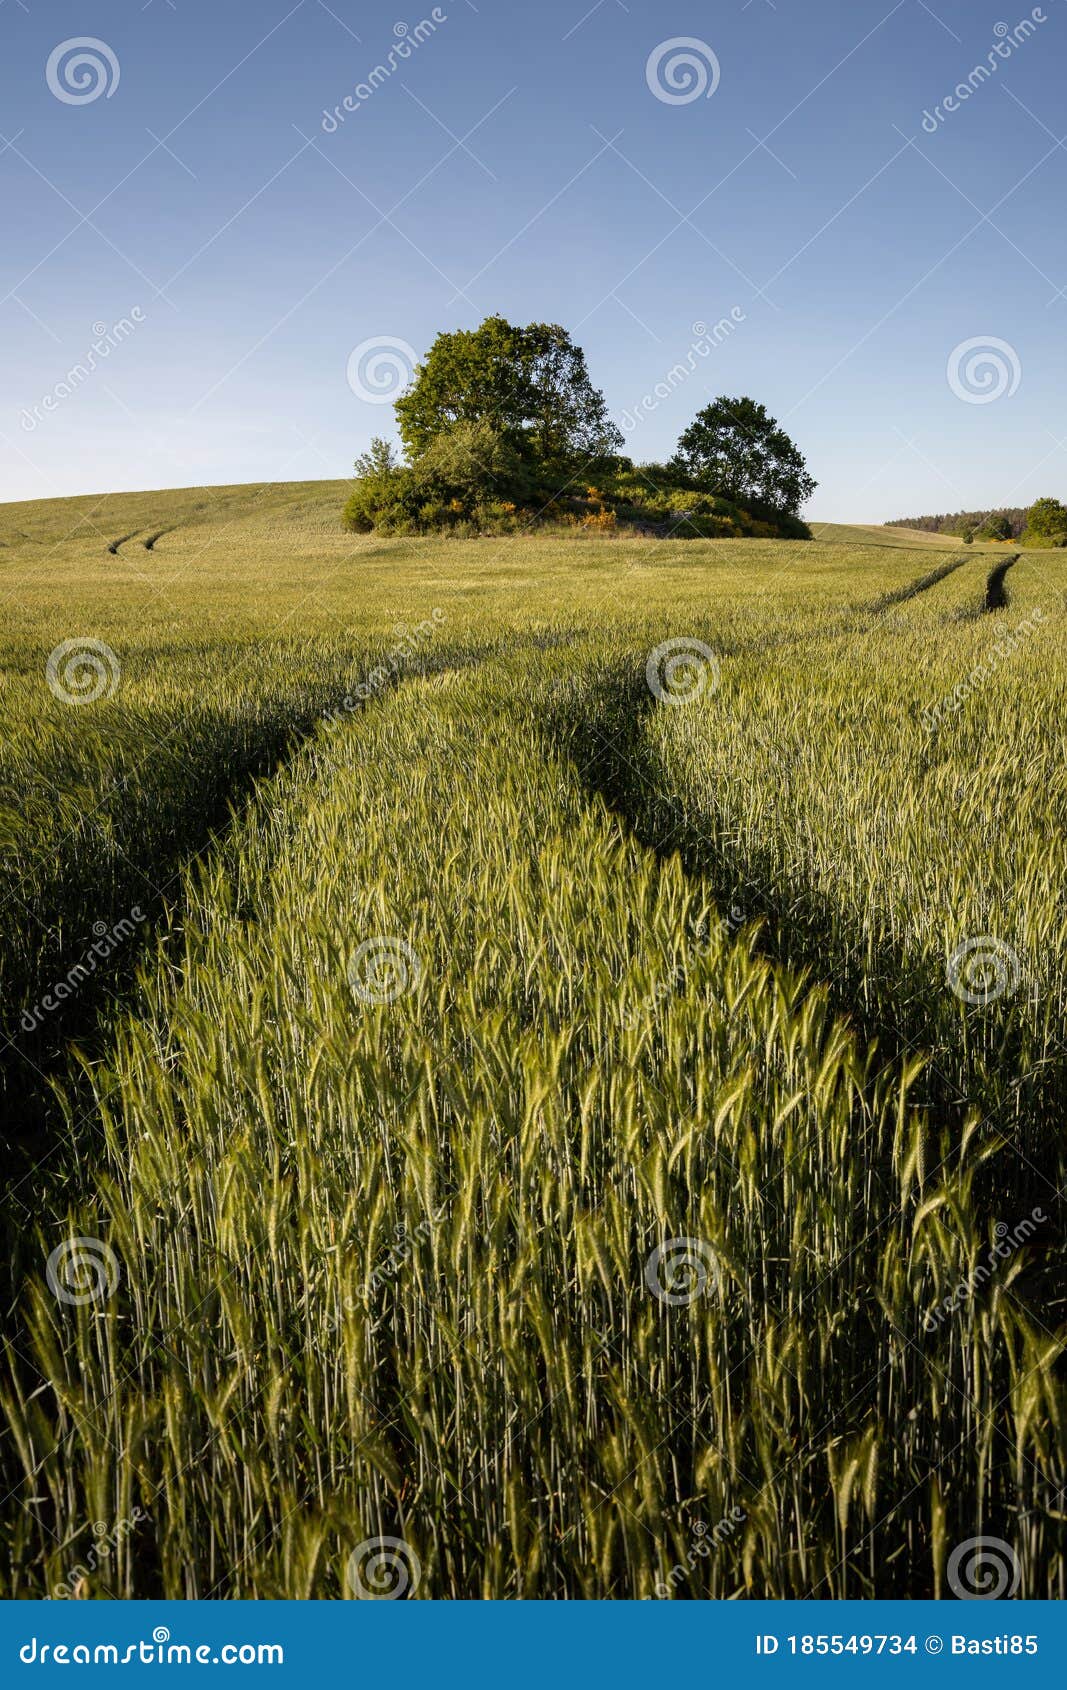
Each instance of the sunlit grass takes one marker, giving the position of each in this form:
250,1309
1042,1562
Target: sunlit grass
384,1266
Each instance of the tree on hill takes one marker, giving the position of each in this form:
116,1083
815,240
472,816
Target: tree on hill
503,431
1046,523
377,471
530,384
733,447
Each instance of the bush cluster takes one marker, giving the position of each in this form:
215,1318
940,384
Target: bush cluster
473,481
502,423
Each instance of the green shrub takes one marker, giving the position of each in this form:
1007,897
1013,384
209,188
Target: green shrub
473,463
379,493
466,478
697,527
474,481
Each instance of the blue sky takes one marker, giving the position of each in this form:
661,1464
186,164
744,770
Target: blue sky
520,158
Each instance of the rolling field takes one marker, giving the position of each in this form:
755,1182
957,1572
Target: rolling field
533,1067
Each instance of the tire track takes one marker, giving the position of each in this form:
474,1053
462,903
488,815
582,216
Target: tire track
227,763
996,593
880,991
922,585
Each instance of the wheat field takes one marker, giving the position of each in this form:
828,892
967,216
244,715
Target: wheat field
558,1083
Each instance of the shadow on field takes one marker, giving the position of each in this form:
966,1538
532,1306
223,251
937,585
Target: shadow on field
996,592
986,1061
88,919
175,787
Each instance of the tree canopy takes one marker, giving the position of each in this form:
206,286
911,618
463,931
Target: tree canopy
530,384
1046,523
996,527
735,448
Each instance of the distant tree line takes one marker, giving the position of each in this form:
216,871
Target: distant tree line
1007,524
1043,523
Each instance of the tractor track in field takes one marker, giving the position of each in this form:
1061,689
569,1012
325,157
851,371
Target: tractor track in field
32,1063
113,546
31,1060
46,1082
171,1327
996,592
616,768
880,997
621,770
922,585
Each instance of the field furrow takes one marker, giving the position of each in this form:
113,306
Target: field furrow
484,1143
466,1166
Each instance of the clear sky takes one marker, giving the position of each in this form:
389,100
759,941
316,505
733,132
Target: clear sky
518,156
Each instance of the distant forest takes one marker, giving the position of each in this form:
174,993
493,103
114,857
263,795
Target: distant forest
983,525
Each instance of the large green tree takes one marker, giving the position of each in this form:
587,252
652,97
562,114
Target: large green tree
1046,523
733,447
531,384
